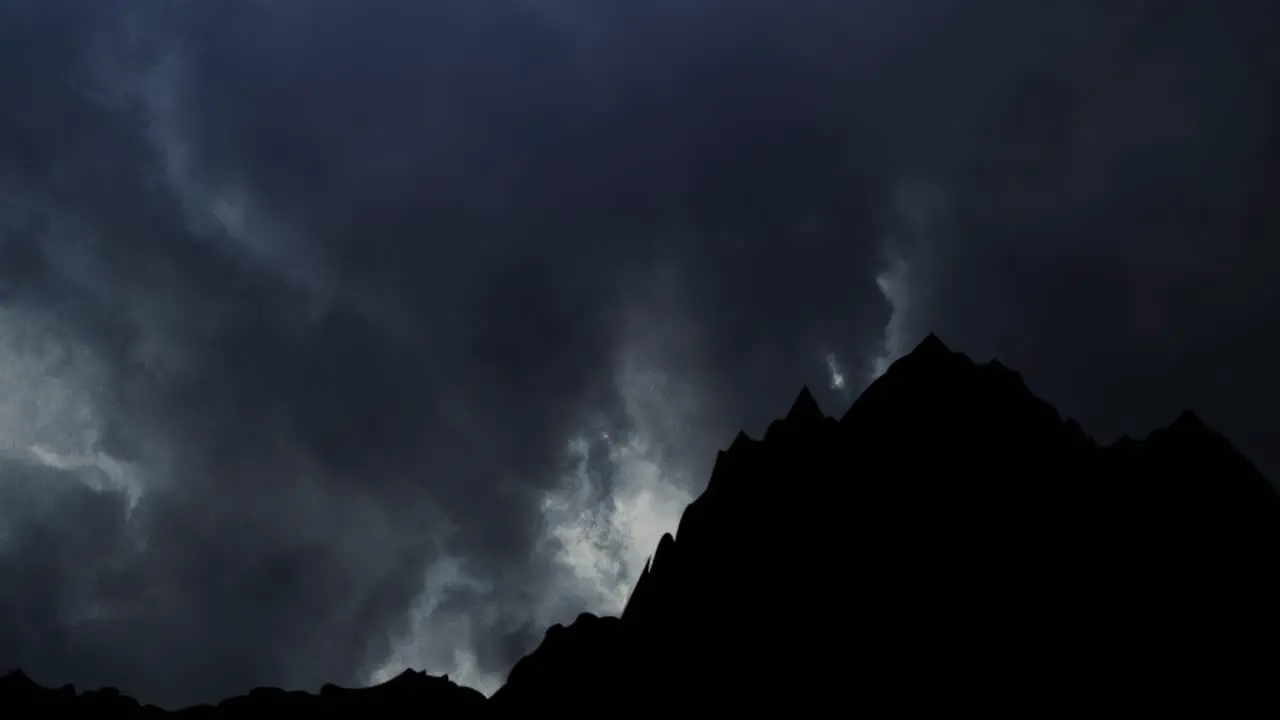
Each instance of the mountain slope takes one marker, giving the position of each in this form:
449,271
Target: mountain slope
950,542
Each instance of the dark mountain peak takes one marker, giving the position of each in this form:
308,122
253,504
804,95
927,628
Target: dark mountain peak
805,408
930,358
952,541
946,474
929,364
16,682
803,415
930,376
995,368
1188,430
665,546
931,346
1073,428
16,677
1189,422
410,678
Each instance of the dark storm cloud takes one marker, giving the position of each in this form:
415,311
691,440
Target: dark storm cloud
387,333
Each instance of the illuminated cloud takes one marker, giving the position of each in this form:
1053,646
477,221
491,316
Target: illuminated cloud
835,375
330,341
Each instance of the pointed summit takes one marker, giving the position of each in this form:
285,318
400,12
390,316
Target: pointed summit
805,408
1188,421
17,677
931,346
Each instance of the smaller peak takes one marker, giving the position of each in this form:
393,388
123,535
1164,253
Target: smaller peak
1005,373
662,555
407,678
740,441
1074,429
638,590
805,408
16,676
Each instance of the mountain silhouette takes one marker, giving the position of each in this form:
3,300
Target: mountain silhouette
950,542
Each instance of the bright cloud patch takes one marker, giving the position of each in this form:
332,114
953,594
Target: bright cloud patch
604,528
49,404
835,375
893,282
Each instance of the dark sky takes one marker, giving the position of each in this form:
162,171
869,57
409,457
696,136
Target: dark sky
337,337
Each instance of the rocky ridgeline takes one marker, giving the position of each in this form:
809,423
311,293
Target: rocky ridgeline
949,543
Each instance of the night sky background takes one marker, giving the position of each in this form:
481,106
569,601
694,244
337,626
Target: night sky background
341,337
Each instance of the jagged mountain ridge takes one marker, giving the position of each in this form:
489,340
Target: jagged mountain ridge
949,541
405,695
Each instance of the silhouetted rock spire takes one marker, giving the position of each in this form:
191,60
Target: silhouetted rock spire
805,408
740,442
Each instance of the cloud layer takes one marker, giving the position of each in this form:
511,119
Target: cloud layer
386,333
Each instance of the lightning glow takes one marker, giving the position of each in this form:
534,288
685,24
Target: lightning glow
835,375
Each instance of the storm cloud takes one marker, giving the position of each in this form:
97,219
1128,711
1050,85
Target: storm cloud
341,337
